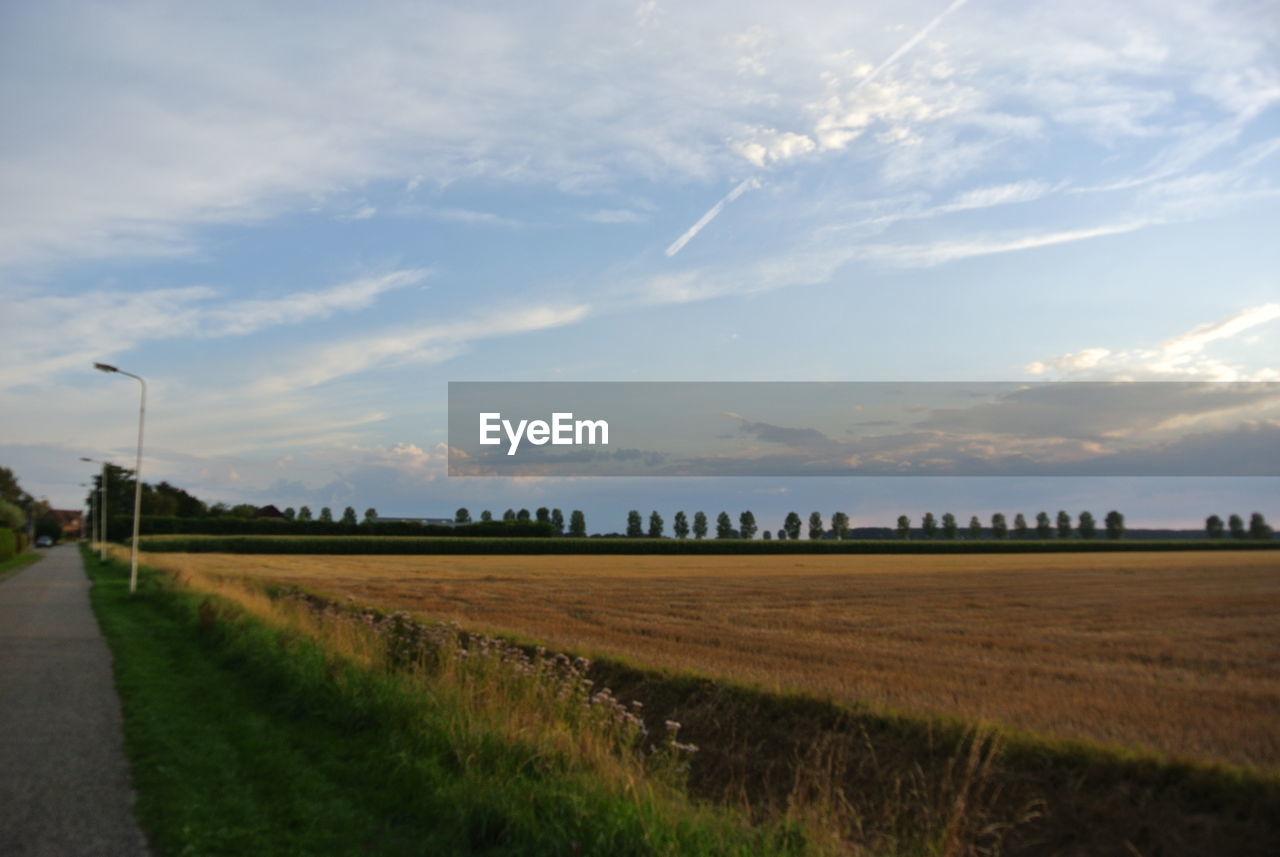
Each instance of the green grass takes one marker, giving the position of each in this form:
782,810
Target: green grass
245,739
481,545
13,565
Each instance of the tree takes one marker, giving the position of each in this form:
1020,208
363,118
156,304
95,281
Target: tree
999,526
700,525
462,516
10,489
509,515
904,527
792,525
304,514
557,521
1064,525
349,516
655,525
1020,525
975,528
1236,524
949,528
635,528
1114,522
1258,527
840,525
681,526
767,536
577,524
1043,528
724,526
290,514
522,515
542,515
929,526
747,525
815,525
326,514
1088,527
11,515
1213,526
486,515
782,535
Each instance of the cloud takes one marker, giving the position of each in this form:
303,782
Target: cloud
96,325
940,252
430,343
713,212
1183,356
615,215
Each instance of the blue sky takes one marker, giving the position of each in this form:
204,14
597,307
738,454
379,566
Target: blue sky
299,223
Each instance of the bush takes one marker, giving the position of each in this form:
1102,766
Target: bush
8,544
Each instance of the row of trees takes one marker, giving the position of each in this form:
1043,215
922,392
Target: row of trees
793,526
1258,527
577,525
949,528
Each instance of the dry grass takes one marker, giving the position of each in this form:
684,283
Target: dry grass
1176,652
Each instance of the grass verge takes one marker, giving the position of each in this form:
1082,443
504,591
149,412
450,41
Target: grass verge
13,565
250,733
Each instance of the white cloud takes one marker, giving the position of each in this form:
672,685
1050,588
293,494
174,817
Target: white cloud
96,325
430,343
614,215
940,252
1183,357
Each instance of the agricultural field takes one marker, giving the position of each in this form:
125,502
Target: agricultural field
1178,653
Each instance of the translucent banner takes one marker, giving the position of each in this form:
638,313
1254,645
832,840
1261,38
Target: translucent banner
864,429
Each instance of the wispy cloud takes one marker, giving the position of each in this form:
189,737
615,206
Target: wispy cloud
98,324
429,343
1180,357
929,254
689,234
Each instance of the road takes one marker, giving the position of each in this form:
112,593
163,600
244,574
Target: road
64,779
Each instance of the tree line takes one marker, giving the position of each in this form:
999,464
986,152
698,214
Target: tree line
575,528
794,527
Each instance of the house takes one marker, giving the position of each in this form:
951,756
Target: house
71,521
271,513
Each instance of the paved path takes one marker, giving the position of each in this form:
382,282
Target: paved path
64,781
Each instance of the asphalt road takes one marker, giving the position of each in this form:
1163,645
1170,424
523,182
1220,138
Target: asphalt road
64,780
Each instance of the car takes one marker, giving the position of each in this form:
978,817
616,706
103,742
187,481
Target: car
44,542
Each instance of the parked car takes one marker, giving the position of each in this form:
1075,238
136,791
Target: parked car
44,542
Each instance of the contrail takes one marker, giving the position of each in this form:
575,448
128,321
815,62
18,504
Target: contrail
910,43
693,230
678,244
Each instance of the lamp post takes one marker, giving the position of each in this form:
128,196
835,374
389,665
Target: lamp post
102,509
137,474
92,518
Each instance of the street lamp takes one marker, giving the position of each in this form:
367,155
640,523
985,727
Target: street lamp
137,474
102,509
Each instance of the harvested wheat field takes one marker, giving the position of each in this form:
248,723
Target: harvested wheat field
1176,652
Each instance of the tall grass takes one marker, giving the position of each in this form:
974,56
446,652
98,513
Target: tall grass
320,729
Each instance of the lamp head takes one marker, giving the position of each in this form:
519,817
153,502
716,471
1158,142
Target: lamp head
104,367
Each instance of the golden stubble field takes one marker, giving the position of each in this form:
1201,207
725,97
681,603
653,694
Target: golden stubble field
1177,652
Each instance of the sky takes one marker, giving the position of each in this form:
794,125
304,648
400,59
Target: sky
300,221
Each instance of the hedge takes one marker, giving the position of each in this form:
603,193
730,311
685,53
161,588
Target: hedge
8,544
455,545
121,528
